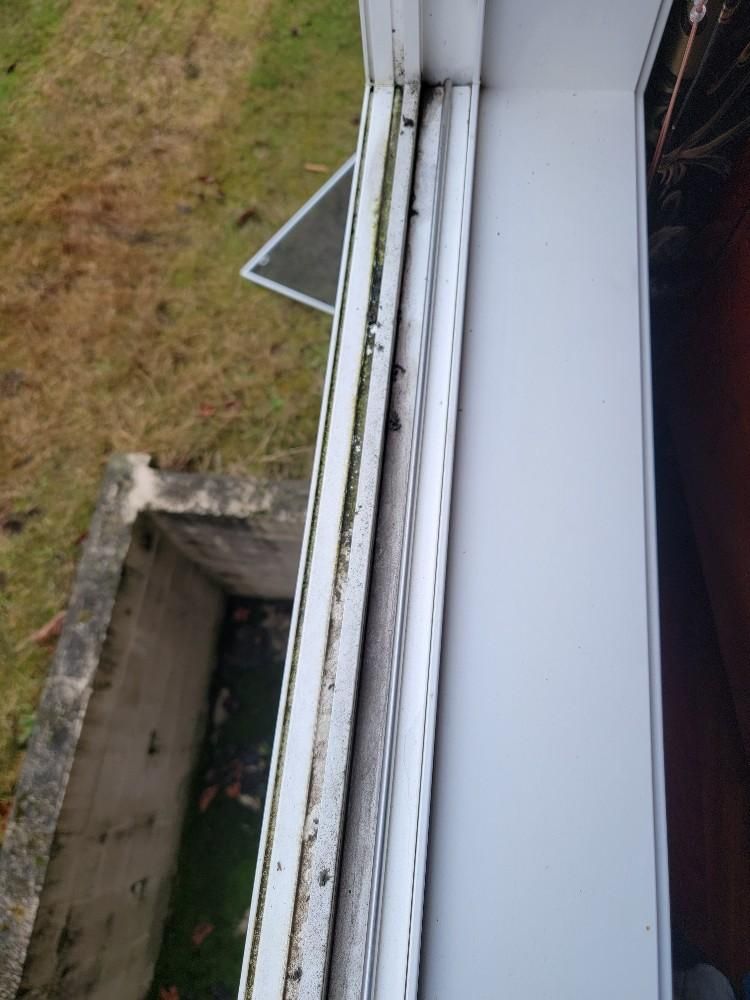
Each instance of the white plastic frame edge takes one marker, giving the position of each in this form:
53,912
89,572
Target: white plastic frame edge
249,274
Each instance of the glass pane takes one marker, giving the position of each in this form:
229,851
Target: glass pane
302,260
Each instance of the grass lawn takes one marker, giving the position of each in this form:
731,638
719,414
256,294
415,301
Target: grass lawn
134,136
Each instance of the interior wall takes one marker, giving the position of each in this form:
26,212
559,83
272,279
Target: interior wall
99,923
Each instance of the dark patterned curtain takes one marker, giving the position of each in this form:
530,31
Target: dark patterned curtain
699,215
710,125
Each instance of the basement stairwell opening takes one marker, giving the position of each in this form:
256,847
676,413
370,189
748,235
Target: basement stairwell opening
128,865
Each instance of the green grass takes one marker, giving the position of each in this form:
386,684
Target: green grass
26,29
133,135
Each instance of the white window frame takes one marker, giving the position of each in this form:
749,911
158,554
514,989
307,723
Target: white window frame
531,51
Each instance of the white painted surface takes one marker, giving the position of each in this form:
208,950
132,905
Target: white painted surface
430,41
583,44
407,40
652,570
542,872
377,41
452,40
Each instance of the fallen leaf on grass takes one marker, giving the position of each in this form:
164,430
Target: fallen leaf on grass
13,524
207,797
213,182
316,168
246,216
49,632
206,410
5,807
11,382
200,933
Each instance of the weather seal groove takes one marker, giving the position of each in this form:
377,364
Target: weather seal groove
312,936
264,966
394,930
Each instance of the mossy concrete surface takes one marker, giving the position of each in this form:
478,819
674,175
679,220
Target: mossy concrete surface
89,703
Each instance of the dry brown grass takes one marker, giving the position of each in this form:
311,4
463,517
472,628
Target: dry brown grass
134,137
